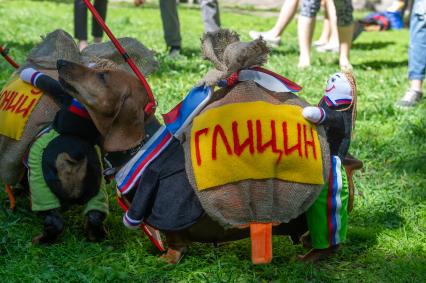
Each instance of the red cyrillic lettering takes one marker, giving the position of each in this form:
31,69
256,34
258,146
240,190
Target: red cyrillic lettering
218,130
27,110
13,105
36,91
309,143
197,143
238,147
298,146
271,143
7,99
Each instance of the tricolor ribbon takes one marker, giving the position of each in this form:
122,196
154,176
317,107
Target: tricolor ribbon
176,121
265,78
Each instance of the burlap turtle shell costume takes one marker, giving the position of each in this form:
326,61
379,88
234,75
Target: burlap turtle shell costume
60,45
269,200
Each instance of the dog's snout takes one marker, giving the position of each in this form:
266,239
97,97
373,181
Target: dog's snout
61,64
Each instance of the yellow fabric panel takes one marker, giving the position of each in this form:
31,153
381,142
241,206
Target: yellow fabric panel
254,140
17,101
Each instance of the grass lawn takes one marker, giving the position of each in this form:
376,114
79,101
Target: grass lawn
387,232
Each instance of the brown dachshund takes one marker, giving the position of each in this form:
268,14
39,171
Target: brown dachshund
115,100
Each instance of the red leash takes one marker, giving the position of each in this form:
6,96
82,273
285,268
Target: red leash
4,52
150,107
153,234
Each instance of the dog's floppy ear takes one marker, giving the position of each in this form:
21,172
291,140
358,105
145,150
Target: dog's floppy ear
127,129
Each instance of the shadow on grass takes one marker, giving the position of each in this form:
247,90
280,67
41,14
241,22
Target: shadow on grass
191,53
372,45
415,164
378,65
55,1
285,49
386,218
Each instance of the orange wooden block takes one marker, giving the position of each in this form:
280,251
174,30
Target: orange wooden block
12,199
261,242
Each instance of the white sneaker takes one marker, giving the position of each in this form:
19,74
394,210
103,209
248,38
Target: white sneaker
318,43
410,99
328,48
274,41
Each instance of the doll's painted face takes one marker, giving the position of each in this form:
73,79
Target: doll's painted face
338,90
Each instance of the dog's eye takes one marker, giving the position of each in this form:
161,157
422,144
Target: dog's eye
102,77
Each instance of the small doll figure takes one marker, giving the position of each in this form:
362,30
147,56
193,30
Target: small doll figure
328,216
64,165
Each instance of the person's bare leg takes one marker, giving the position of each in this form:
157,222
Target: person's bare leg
345,38
326,29
305,29
288,10
82,44
416,85
334,35
332,43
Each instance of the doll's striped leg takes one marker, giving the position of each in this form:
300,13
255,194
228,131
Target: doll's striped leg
328,216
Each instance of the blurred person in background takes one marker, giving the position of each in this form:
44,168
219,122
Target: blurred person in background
80,22
171,24
416,56
329,39
306,25
273,36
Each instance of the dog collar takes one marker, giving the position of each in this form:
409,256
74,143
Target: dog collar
116,159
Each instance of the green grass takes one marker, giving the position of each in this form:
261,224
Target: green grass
387,232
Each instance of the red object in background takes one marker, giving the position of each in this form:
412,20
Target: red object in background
150,107
4,51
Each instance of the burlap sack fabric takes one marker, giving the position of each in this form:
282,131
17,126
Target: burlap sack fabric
56,45
271,200
60,45
228,54
141,56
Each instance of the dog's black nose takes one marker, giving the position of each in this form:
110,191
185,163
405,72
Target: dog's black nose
61,63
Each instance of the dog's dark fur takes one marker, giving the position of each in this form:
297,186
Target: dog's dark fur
72,168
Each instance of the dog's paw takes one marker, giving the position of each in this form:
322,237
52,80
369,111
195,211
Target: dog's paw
37,239
315,255
96,233
43,239
94,226
173,256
